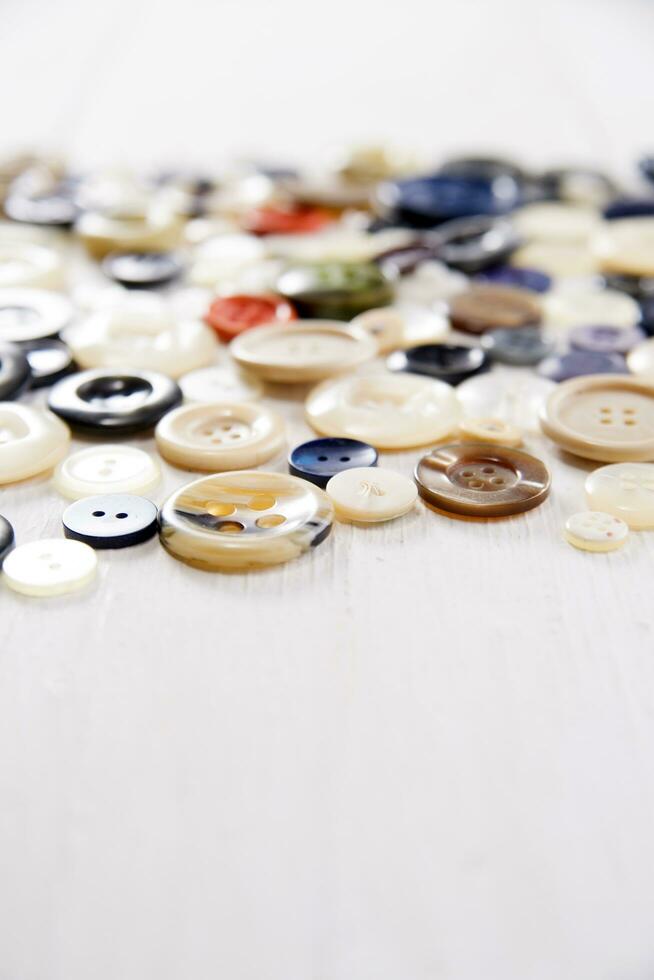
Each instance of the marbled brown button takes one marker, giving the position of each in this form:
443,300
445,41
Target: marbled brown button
483,308
481,480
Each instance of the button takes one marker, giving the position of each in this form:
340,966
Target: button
106,469
497,432
335,290
320,459
327,190
629,207
560,367
553,221
50,567
292,220
626,247
624,490
6,538
244,520
231,315
403,325
640,287
225,256
29,314
222,383
603,417
483,308
340,244
446,362
565,309
517,400
423,202
592,530
480,480
432,282
304,351
14,372
533,280
111,520
220,437
107,402
127,230
641,359
606,340
578,185
31,441
55,210
49,360
482,168
27,266
139,270
388,411
371,495
558,259
473,244
522,347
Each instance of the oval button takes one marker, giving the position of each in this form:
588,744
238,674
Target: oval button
106,469
50,567
371,495
112,520
483,308
321,459
103,402
592,530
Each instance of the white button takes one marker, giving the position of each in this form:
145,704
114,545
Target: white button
626,246
514,399
558,259
551,221
224,257
565,309
388,411
640,360
31,441
496,432
30,266
432,282
625,490
49,567
404,325
159,229
221,383
30,314
370,494
106,469
219,437
336,244
591,530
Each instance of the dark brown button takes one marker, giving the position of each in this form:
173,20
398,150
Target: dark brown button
482,308
480,480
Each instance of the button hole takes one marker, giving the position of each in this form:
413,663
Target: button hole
98,513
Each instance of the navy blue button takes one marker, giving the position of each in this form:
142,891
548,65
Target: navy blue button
647,315
452,363
521,347
111,520
482,168
606,340
6,538
424,202
506,275
629,207
14,372
473,244
49,360
577,362
320,459
140,270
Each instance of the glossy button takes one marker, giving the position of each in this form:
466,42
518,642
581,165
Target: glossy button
244,520
553,221
626,247
224,382
497,432
560,367
371,495
107,402
14,372
563,260
624,490
432,282
522,347
446,362
606,340
335,290
231,315
473,244
305,351
31,441
604,417
292,220
480,480
6,538
592,530
483,308
517,400
124,230
112,520
106,469
49,360
321,459
219,437
29,266
140,270
403,325
506,275
29,314
565,309
50,567
641,359
388,411
427,201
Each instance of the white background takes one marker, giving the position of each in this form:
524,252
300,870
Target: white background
424,752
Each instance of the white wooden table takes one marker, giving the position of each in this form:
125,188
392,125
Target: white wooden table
424,751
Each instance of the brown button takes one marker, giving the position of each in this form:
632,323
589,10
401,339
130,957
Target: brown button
482,308
481,480
606,417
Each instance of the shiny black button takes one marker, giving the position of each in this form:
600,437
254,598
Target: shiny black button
452,363
140,270
473,244
320,459
49,360
14,372
111,520
103,402
6,538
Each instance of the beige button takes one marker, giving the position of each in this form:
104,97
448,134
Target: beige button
551,221
625,490
371,494
159,229
222,382
219,437
388,411
402,326
106,469
31,441
640,360
432,282
557,259
602,416
225,257
25,266
570,308
30,314
511,397
592,530
496,432
307,350
50,567
336,244
626,246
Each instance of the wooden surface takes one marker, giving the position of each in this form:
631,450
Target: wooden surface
422,752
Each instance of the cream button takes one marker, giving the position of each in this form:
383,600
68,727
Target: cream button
551,221
31,441
224,257
336,244
626,246
432,282
388,411
158,230
49,567
640,359
306,350
591,530
497,432
223,382
26,266
31,314
570,308
371,494
106,469
405,325
219,437
557,259
625,490
514,399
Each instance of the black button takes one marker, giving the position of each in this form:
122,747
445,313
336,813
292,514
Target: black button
49,360
320,459
139,270
106,403
452,363
14,373
6,538
111,520
474,244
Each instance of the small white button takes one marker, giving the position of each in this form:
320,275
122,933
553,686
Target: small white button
49,567
106,469
31,441
371,494
625,490
592,530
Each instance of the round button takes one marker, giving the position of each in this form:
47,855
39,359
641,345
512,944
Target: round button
222,383
293,220
388,411
522,347
14,372
107,402
639,287
558,259
50,567
244,520
626,246
592,530
560,367
641,359
335,290
127,229
423,202
231,315
140,270
305,351
29,314
432,282
473,244
497,432
28,266
517,278
106,469
517,400
446,362
219,437
31,441
403,325
624,490
553,221
578,185
565,309
606,340
55,210
111,520
604,417
321,459
483,308
6,538
480,480
49,360
371,495
629,207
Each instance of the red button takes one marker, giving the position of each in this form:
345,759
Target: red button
231,315
287,221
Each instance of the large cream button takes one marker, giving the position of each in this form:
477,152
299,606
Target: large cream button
49,567
106,469
388,411
640,360
558,259
31,314
516,400
26,266
31,441
625,490
496,432
371,494
225,257
223,382
219,437
570,308
591,530
551,221
626,246
405,325
158,230
307,350
247,519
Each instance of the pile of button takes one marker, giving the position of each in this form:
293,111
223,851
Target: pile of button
456,313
